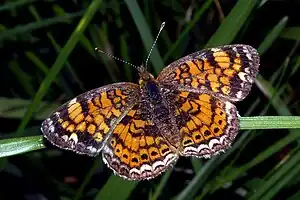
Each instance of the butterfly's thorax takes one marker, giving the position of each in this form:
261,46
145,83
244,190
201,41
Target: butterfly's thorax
153,97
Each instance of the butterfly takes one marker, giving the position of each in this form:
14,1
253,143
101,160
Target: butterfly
142,129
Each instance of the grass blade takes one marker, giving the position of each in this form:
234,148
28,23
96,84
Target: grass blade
232,23
59,63
145,33
116,188
14,146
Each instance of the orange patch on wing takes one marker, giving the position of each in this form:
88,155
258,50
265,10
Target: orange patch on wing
149,140
218,71
220,54
98,137
91,129
92,107
79,118
184,94
65,124
186,106
105,101
225,89
238,61
104,127
70,128
229,72
224,59
116,112
119,128
118,150
135,143
131,113
98,119
191,125
142,141
139,123
205,98
206,119
224,65
194,83
119,93
214,86
224,80
81,127
74,110
212,77
194,70
128,140
201,78
236,67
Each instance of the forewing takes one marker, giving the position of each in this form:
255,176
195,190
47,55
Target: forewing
137,150
226,71
84,123
206,124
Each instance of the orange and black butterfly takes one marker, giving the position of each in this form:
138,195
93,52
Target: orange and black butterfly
142,129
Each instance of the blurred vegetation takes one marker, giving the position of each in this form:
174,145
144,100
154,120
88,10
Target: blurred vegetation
48,57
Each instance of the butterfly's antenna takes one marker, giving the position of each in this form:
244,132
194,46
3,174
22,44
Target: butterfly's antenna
116,58
161,28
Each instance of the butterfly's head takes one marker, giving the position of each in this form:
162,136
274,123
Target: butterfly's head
145,76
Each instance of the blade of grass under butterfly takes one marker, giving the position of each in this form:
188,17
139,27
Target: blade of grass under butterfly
260,122
145,33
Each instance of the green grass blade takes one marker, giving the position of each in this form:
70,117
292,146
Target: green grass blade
87,179
273,35
145,33
277,180
291,33
23,78
15,108
19,30
116,188
232,23
161,185
14,146
270,122
60,61
13,5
